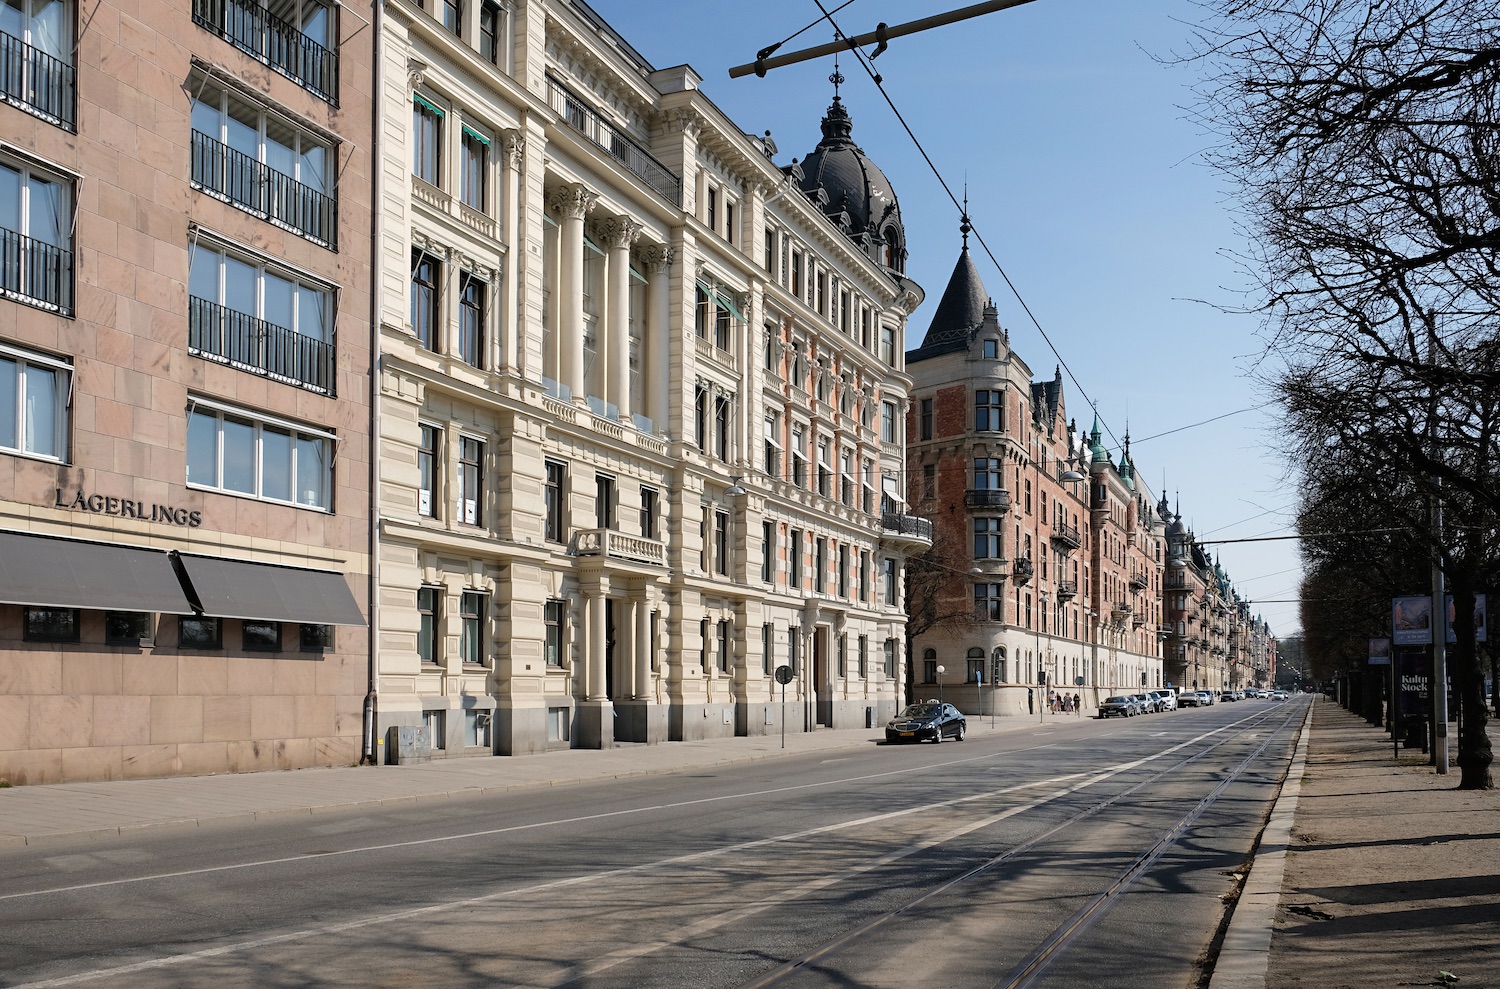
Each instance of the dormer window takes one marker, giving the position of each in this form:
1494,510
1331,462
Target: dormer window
989,349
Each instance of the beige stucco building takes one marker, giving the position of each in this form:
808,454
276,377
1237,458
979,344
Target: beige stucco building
184,387
640,396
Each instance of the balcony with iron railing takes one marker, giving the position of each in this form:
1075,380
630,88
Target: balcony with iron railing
37,82
260,189
987,498
250,27
1065,537
1139,581
584,119
258,347
906,528
1067,590
35,272
1022,571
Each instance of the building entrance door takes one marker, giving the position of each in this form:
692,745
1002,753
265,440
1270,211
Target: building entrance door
822,692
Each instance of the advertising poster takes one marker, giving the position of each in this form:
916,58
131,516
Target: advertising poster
1479,632
1411,621
1414,670
1380,652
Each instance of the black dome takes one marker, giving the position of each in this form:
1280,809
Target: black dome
852,190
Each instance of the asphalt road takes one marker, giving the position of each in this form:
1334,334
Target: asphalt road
1095,853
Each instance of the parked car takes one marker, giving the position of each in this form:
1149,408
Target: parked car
926,720
1205,697
1165,700
1118,707
1227,696
1279,695
1189,698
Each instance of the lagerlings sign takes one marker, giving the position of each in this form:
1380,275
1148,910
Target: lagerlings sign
124,508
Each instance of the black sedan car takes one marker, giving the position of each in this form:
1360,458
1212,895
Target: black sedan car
926,720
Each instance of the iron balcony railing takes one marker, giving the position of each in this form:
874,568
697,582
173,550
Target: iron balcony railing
1139,580
38,82
263,348
262,190
586,121
1066,536
987,498
907,525
1067,590
36,272
281,45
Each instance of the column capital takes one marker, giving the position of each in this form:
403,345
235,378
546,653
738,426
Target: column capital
513,142
573,201
617,232
657,258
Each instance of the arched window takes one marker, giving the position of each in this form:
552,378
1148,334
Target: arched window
929,666
975,672
997,665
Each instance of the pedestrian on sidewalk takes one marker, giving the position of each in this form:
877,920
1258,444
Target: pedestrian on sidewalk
1078,705
1030,701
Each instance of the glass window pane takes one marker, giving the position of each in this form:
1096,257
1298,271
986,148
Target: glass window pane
311,309
50,29
278,300
205,118
275,463
48,212
203,274
10,199
312,471
10,381
203,450
239,285
239,456
40,412
314,172
243,131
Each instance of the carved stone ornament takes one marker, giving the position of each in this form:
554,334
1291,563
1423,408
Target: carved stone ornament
514,144
572,201
416,72
615,232
657,258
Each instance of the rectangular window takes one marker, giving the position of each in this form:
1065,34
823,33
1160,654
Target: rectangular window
989,539
888,422
557,724
799,456
712,210
199,633
842,580
261,636
260,318
127,628
770,252
427,470
975,671
989,602
929,482
425,270
924,419
773,444
649,499
471,480
555,522
472,298
50,624
929,670
240,452
767,550
721,543
473,609
316,638
451,12
723,646
843,656
794,648
888,345
794,558
38,74
474,170
862,656
722,421
888,578
820,564
260,161
864,327
490,25
477,728
436,723
426,141
864,575
767,647
890,657
825,471
428,604
731,219
988,474
604,501
797,273
33,404
552,615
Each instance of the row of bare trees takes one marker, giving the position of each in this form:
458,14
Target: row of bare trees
1363,139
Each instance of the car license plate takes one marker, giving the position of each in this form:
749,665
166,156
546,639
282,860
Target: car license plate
907,734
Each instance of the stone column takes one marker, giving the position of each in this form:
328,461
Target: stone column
595,713
573,204
642,608
656,371
618,234
513,146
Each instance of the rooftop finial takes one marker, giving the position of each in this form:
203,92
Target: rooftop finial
964,227
837,78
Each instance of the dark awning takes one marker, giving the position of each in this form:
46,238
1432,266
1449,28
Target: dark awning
53,572
266,592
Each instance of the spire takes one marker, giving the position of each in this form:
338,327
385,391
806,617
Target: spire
961,310
964,227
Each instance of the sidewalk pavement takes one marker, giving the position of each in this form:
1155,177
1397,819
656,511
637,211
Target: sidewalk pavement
58,812
1372,871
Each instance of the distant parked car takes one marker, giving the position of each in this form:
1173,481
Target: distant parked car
1118,707
924,720
1147,703
1227,696
1165,700
1189,698
1205,697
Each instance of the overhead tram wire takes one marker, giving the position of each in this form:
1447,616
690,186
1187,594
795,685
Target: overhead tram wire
876,78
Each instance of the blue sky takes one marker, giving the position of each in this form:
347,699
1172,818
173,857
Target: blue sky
1085,178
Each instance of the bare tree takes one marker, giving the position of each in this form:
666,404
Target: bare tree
1364,139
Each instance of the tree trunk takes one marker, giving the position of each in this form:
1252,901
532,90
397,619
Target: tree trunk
1475,755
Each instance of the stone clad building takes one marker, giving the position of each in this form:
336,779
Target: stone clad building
639,400
184,387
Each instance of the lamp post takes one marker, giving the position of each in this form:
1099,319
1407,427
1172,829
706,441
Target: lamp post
940,671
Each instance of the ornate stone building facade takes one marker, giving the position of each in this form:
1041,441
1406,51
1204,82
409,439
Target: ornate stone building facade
640,400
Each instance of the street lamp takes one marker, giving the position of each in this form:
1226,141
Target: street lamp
940,671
